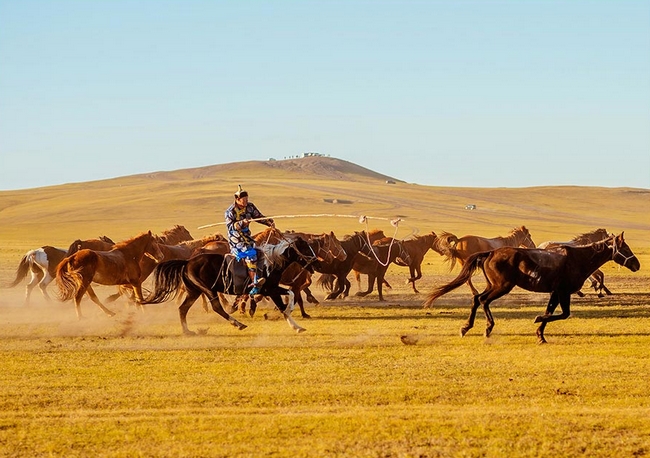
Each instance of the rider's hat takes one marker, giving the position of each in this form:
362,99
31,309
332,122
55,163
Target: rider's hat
240,192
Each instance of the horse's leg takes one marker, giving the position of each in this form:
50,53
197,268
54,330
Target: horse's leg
565,304
380,282
95,299
36,278
371,286
337,287
357,277
190,298
222,298
469,324
296,292
309,296
416,274
346,287
216,306
43,284
277,299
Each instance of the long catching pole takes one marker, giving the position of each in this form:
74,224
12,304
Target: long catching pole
362,219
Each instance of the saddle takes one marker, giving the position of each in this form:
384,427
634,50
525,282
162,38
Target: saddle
234,274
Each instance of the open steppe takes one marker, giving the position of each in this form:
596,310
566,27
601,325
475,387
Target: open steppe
133,385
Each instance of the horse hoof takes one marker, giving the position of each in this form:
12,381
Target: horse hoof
463,331
306,316
300,330
189,333
541,341
539,319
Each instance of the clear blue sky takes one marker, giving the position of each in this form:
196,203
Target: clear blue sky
449,93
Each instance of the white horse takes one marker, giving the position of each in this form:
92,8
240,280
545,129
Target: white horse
41,263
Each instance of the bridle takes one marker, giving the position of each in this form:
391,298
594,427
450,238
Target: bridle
617,252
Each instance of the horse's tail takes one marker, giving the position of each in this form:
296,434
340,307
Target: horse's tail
168,278
447,245
23,268
473,262
68,280
326,282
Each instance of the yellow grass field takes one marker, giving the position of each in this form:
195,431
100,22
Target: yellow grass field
133,385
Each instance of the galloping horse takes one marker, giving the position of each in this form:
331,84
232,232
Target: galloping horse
325,247
209,273
334,274
174,236
597,277
460,249
41,263
560,272
384,252
416,248
102,243
182,250
119,266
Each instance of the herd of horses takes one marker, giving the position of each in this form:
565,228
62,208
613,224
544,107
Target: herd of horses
186,269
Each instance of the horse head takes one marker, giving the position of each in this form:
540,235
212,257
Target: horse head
525,239
622,254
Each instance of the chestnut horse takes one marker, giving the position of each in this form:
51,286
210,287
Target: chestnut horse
182,250
102,243
597,278
460,249
41,263
207,274
119,266
560,272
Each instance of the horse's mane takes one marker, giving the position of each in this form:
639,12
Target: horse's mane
127,241
196,243
173,235
273,255
589,237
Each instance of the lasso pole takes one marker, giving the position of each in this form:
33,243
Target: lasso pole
361,219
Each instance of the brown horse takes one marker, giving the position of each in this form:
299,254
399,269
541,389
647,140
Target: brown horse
560,272
174,235
119,266
182,250
597,278
102,243
460,249
384,252
334,274
416,247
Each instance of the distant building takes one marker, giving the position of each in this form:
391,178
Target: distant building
470,207
312,154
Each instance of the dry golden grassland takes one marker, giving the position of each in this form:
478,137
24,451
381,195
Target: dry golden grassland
133,385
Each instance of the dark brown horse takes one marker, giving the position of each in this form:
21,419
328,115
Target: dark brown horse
209,274
325,247
334,274
597,278
416,247
560,272
119,266
41,263
460,249
384,252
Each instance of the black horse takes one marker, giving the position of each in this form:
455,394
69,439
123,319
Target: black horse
211,273
560,272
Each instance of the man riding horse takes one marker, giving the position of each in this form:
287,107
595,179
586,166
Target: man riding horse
238,218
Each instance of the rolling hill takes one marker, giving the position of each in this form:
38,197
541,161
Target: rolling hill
124,206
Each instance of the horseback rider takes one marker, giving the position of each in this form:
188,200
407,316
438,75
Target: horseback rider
238,217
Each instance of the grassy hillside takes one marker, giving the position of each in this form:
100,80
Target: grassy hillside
122,207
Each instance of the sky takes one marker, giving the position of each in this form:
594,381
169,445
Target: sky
441,93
